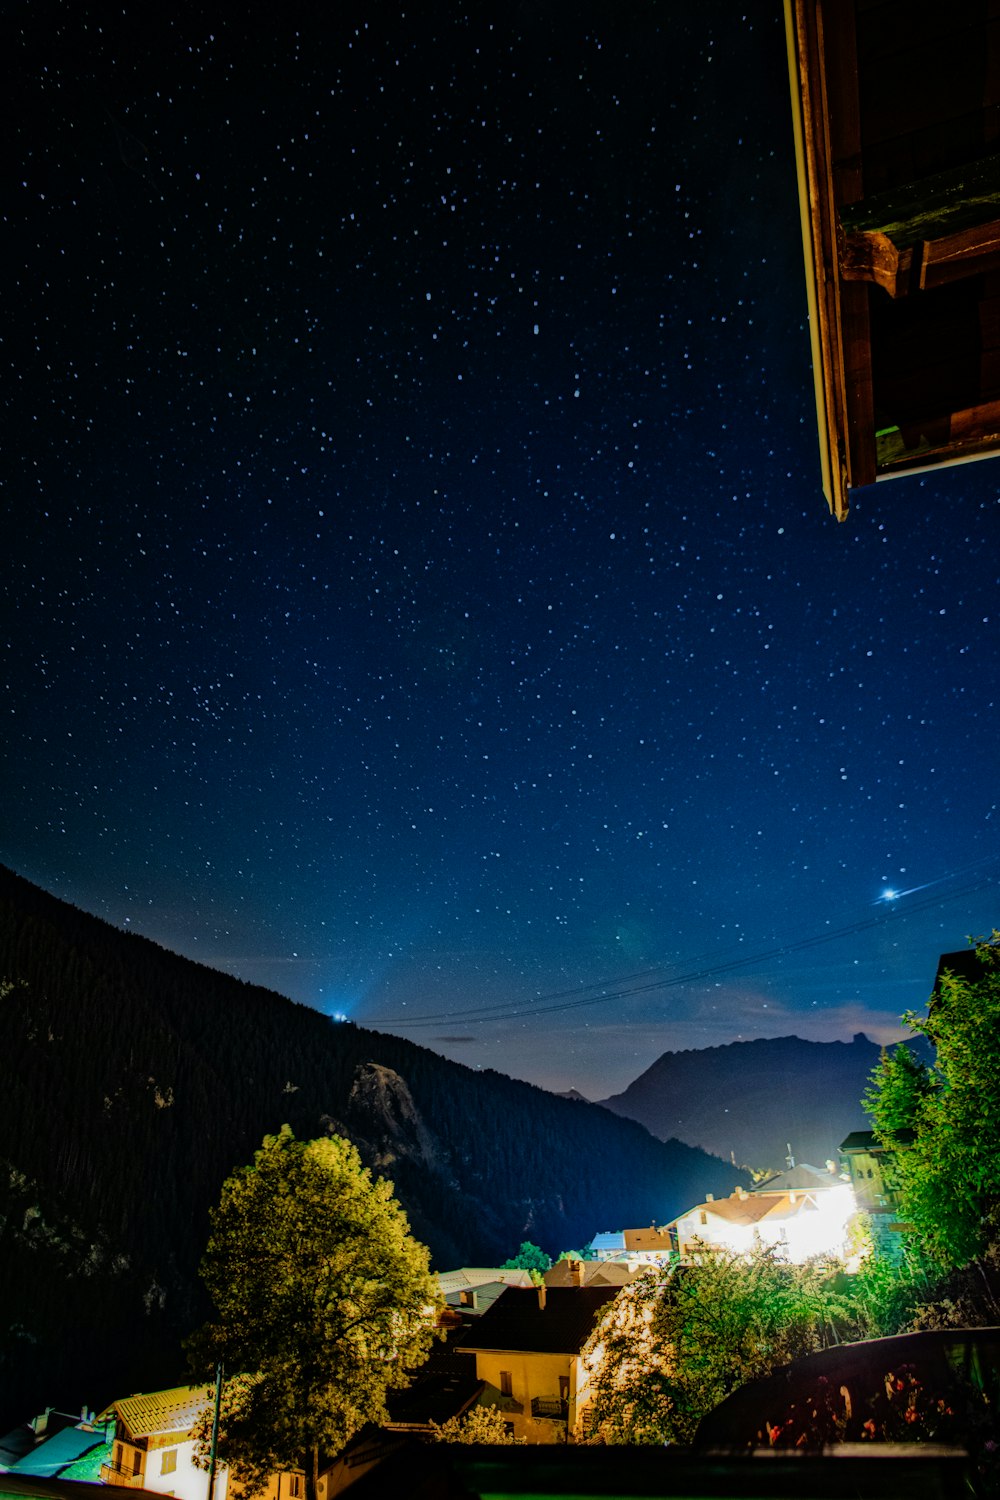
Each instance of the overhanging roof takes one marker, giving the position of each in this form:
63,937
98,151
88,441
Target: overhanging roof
896,119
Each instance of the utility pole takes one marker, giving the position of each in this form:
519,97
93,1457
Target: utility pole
215,1432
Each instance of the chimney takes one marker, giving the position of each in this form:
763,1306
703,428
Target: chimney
576,1272
709,1197
541,1297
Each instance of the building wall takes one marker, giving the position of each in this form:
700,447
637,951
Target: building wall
713,1230
534,1376
166,1465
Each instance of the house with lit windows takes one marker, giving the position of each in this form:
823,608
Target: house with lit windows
801,1213
154,1447
634,1247
527,1348
876,1190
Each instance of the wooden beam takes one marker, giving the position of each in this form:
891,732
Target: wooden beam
823,76
952,436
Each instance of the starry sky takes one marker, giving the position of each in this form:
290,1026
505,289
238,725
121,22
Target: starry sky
418,593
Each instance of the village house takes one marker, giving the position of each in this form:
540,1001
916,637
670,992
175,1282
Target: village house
154,1447
802,1212
527,1349
57,1445
574,1272
634,1247
472,1289
871,1171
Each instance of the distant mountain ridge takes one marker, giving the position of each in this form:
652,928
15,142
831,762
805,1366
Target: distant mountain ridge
133,1081
749,1102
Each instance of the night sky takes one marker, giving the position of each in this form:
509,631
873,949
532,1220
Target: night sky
419,597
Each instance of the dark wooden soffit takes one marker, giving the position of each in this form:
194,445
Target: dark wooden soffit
903,282
826,126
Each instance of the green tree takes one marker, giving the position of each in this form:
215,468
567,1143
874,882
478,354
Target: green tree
480,1424
673,1345
529,1258
942,1122
323,1302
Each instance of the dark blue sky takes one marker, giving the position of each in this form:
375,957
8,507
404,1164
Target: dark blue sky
419,595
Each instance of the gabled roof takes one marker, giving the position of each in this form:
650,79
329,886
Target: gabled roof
465,1276
860,1140
755,1208
736,1210
647,1239
866,1140
609,1240
155,1412
479,1297
593,1272
519,1323
51,1457
445,1386
801,1178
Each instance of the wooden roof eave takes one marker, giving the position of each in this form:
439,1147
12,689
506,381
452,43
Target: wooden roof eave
838,311
833,479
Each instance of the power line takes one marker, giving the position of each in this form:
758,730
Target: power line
625,986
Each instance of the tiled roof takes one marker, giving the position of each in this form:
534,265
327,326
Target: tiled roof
163,1411
453,1281
734,1210
594,1273
647,1239
754,1209
518,1322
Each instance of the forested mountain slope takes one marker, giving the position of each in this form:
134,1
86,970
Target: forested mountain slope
132,1081
754,1100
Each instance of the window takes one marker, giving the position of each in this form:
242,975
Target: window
168,1461
703,1217
295,1485
506,1383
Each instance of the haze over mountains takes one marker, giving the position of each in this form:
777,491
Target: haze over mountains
133,1081
753,1102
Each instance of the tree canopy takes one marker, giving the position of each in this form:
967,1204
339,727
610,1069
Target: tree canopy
673,1344
528,1258
942,1122
479,1425
323,1302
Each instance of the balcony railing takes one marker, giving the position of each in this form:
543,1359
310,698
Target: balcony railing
115,1474
550,1408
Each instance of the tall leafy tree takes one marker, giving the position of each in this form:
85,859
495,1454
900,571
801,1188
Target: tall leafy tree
673,1344
942,1122
528,1258
323,1302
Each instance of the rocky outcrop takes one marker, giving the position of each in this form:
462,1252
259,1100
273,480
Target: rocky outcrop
380,1109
